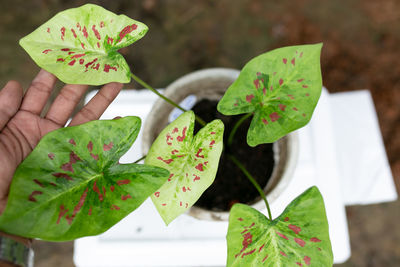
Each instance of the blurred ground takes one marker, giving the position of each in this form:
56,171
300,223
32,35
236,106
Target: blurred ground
361,50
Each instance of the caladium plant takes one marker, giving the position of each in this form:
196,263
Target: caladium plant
80,45
72,185
298,237
280,87
191,161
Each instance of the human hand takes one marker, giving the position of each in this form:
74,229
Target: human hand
21,124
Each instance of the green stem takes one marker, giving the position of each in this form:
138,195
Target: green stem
145,85
142,158
253,181
234,130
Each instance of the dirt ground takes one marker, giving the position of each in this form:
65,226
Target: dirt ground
361,50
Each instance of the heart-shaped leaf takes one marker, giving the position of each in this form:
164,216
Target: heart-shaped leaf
72,185
298,237
281,88
192,163
80,45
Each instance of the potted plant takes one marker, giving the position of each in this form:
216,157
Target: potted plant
72,185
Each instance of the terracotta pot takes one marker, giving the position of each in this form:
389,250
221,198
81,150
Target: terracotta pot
212,84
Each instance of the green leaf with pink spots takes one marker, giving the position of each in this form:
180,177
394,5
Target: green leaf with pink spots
80,45
298,237
281,88
191,161
72,185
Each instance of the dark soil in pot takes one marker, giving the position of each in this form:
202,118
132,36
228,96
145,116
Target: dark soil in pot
231,185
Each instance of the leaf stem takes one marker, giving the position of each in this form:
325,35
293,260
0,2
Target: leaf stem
253,181
234,130
143,83
142,158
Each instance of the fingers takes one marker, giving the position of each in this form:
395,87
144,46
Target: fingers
10,101
98,104
65,103
39,92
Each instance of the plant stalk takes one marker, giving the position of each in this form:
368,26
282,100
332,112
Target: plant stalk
253,181
234,130
143,83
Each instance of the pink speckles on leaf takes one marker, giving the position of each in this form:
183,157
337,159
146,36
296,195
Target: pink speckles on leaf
108,147
256,83
96,32
34,193
175,130
81,61
274,116
259,250
240,219
112,188
198,153
90,146
128,29
280,81
72,62
73,33
97,190
300,80
247,240
282,107
284,60
83,45
307,94
304,115
48,30
265,258
315,240
199,167
125,197
123,182
248,253
61,214
282,235
164,204
38,182
301,55
299,263
101,24
67,167
265,121
60,60
167,161
300,241
107,68
62,30
181,138
249,98
293,61
170,176
51,156
291,97
307,260
196,178
62,175
110,40
286,219
305,86
157,194
283,253
46,51
115,207
212,143
90,211
95,157
294,228
295,109
78,55
90,63
85,33
72,142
